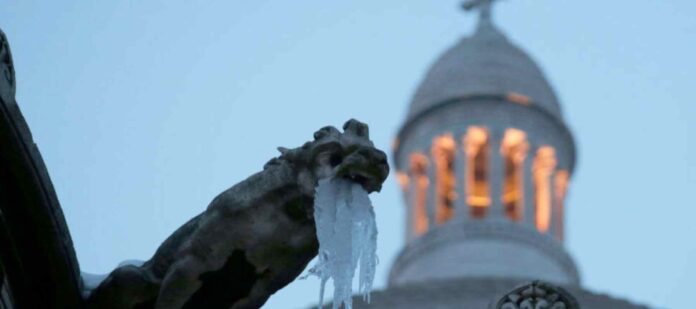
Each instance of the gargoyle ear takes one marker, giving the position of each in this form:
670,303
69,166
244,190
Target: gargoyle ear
326,131
357,128
283,150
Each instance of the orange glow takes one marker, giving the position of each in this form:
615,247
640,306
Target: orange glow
443,152
518,98
477,186
403,180
561,186
544,163
419,173
514,151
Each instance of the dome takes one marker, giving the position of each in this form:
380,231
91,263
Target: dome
485,64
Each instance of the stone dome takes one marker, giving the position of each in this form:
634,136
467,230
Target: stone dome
484,64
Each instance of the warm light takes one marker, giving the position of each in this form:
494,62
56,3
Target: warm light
514,149
544,163
403,180
419,173
443,152
477,186
518,98
561,188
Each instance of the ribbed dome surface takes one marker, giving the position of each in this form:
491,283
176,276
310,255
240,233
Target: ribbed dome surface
484,64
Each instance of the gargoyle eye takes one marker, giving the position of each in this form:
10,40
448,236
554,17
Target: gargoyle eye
335,159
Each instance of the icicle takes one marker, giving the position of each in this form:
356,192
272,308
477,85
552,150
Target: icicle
347,236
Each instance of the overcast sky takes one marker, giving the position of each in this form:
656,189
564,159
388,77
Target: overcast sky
145,110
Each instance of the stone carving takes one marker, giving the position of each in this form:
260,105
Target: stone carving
7,74
537,295
253,238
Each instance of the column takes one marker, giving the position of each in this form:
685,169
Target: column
407,190
552,225
420,183
431,200
561,187
461,209
496,176
529,199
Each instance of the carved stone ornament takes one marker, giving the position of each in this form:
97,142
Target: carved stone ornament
7,74
254,238
537,295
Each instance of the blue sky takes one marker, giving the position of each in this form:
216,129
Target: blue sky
145,110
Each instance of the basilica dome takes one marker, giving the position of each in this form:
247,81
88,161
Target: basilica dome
484,64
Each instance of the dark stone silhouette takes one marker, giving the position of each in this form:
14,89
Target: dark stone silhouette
253,238
38,267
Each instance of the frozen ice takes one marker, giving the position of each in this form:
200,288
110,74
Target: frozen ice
347,236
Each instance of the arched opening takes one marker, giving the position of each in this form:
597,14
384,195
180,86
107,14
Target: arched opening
443,152
476,144
561,189
542,168
419,174
514,149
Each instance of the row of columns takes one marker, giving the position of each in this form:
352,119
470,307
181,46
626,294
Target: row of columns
421,181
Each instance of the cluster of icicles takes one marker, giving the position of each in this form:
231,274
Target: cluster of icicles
347,236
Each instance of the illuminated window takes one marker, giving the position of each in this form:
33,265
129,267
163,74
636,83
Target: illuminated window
443,152
514,150
477,186
544,163
419,174
561,187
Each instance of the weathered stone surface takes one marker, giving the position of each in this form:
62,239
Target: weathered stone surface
254,238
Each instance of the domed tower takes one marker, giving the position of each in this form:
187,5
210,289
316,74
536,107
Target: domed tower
484,159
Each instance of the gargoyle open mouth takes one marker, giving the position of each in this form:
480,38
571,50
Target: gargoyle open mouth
369,171
349,155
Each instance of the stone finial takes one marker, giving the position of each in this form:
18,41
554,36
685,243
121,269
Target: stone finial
537,295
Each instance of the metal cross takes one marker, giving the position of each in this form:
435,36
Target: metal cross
483,5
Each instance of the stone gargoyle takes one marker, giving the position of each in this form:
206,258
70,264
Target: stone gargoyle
254,238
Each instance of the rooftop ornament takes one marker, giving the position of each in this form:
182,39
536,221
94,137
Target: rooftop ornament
537,295
483,5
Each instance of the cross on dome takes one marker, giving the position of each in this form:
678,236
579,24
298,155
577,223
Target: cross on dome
484,6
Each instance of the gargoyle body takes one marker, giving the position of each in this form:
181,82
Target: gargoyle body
253,238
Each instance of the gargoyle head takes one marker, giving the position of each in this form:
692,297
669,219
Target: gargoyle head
350,155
